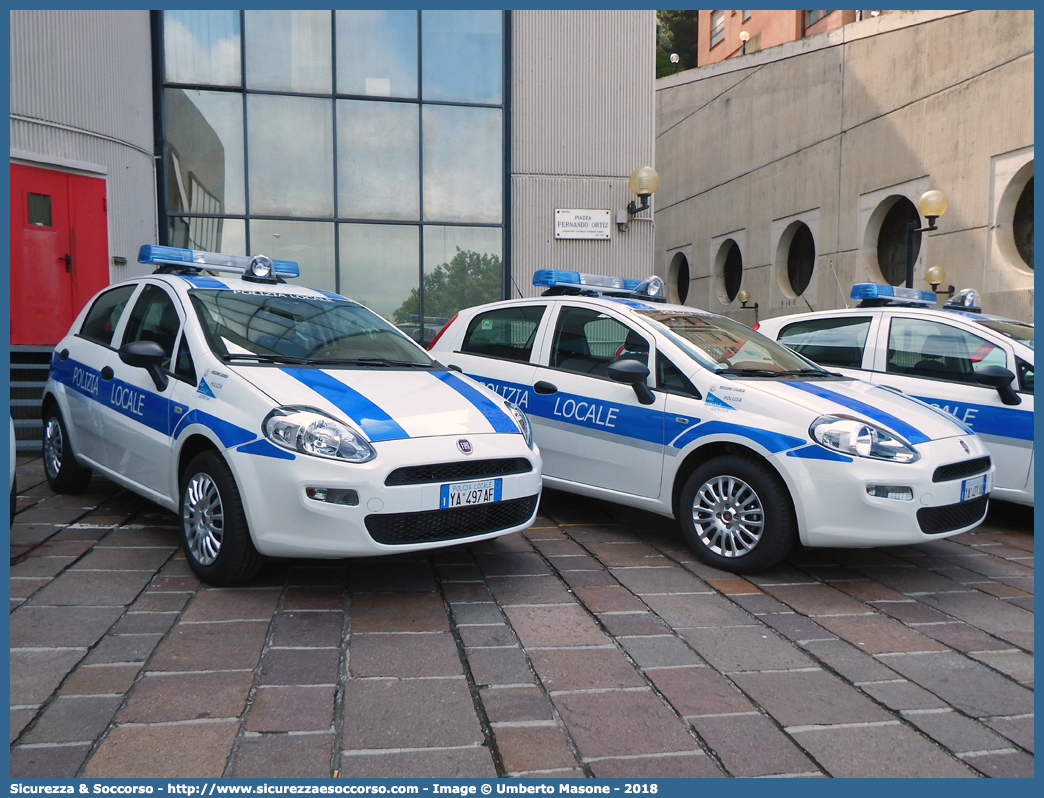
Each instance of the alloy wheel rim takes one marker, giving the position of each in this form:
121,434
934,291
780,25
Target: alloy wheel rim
53,446
203,519
728,516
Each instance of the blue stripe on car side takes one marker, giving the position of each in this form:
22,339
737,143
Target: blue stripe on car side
772,441
817,452
912,434
497,418
265,449
377,424
1002,422
229,434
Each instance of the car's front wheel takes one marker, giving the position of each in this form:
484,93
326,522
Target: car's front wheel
64,474
214,531
736,515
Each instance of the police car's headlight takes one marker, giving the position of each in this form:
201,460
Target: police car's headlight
859,439
309,431
523,422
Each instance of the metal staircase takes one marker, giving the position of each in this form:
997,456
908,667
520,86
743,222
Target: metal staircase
29,366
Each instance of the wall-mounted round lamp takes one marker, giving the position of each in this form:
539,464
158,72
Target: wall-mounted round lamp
643,182
931,205
935,276
744,297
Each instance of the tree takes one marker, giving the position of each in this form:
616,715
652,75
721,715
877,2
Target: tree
470,278
676,33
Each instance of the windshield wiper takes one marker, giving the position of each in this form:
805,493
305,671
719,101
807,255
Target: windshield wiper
369,361
267,358
770,373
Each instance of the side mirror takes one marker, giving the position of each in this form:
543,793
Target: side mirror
634,373
1000,378
146,355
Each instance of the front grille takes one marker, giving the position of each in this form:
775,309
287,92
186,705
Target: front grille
980,465
457,472
458,522
935,520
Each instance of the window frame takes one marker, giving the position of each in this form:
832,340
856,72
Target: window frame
844,321
531,339
119,319
717,29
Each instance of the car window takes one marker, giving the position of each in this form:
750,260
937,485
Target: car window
920,348
1025,375
587,341
184,368
154,318
670,379
101,320
1015,330
506,333
829,342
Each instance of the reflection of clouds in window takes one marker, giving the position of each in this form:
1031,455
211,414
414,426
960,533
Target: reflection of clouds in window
202,47
462,52
309,244
377,53
378,171
288,51
463,164
291,155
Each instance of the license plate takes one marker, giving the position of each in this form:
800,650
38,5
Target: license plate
464,494
973,488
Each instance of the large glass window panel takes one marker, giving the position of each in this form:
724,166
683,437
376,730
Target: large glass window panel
288,51
463,164
310,244
380,268
202,47
204,152
290,151
463,267
462,56
377,53
207,234
378,160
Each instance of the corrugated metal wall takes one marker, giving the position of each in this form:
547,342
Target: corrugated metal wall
582,118
81,100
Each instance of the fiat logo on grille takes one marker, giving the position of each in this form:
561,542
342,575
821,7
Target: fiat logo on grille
465,446
964,446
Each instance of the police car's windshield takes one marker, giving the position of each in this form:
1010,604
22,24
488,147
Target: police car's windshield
728,347
263,327
1012,329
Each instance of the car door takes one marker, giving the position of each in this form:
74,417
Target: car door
936,362
592,430
497,349
837,342
136,413
78,365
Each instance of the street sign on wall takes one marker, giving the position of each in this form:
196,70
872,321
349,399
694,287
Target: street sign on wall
573,223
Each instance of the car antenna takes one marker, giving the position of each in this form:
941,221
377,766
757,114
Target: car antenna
839,289
516,286
807,303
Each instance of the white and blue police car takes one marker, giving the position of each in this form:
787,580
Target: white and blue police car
691,415
975,366
279,420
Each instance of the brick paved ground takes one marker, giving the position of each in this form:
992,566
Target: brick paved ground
592,645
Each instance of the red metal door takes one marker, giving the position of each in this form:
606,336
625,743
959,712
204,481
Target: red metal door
59,250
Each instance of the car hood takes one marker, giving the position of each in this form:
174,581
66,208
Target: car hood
911,419
387,404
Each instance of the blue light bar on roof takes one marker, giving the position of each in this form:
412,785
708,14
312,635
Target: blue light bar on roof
549,278
211,261
893,294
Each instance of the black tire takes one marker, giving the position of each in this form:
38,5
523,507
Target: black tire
214,531
64,473
736,515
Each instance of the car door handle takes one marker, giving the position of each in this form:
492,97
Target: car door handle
545,387
107,373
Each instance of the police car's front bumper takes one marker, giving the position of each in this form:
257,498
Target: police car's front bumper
835,507
384,519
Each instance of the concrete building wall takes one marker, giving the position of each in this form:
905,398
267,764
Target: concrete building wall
582,111
81,101
828,130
